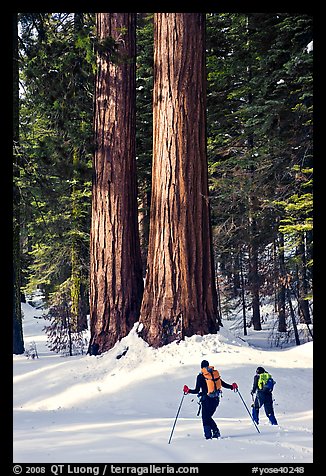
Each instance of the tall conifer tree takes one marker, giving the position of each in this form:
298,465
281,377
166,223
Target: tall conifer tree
180,296
18,341
116,282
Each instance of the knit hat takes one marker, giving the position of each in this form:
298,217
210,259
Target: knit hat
204,364
260,370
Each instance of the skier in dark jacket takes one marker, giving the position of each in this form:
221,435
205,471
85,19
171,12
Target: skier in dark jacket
208,404
264,396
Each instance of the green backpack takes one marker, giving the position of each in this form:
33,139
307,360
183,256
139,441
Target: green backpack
266,382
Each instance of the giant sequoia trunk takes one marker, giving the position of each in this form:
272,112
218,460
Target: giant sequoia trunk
116,282
180,297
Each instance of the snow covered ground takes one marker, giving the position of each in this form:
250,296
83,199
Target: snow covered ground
101,409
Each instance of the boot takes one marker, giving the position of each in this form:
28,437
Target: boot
216,433
272,419
255,415
207,432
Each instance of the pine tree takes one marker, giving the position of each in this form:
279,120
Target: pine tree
56,113
270,111
62,335
18,340
144,123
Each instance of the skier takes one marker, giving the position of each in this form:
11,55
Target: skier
263,386
210,397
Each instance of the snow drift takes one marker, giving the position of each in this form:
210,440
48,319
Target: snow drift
121,408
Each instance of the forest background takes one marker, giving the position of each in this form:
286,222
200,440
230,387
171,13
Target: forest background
259,138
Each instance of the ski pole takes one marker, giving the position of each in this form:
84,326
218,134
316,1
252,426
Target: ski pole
175,421
248,411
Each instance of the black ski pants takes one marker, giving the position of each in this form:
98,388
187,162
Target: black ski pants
208,408
264,399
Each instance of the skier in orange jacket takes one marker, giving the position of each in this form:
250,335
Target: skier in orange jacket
209,393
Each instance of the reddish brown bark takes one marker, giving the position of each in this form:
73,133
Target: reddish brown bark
180,296
116,282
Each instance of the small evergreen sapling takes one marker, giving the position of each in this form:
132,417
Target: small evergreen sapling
62,334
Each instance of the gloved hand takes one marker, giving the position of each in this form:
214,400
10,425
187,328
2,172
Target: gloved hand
252,393
234,386
185,389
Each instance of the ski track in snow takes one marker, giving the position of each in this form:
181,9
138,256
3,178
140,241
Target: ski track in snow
89,409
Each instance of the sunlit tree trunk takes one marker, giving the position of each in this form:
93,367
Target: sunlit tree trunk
180,296
116,281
